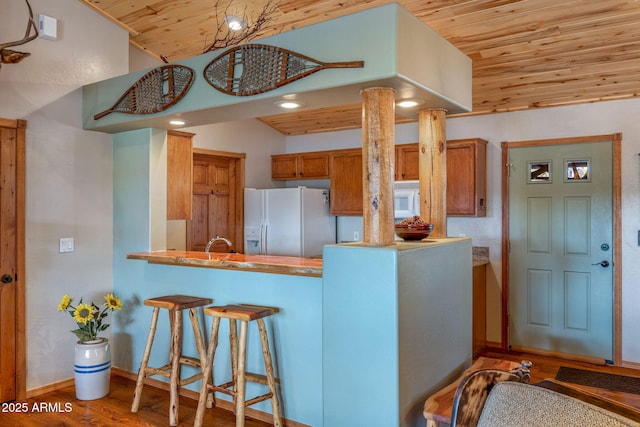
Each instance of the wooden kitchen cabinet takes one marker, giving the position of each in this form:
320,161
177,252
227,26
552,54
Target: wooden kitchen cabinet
312,165
284,166
346,182
466,174
346,176
467,177
179,174
406,163
479,308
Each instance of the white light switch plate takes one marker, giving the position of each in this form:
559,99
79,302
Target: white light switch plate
66,244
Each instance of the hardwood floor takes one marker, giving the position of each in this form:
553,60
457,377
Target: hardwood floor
113,410
60,408
547,367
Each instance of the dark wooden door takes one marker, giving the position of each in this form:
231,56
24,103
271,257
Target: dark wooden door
11,144
214,203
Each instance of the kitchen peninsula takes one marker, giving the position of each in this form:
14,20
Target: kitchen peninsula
365,342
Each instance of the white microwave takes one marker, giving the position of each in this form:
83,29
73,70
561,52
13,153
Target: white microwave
406,199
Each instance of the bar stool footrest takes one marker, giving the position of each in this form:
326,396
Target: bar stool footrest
163,371
258,399
190,380
190,361
258,378
223,388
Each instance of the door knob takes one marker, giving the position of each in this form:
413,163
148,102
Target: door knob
604,263
6,278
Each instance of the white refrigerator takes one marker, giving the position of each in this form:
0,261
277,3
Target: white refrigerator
287,221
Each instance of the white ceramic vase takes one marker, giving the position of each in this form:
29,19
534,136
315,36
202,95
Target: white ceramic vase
92,369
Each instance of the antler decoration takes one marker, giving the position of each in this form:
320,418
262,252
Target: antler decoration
8,56
225,37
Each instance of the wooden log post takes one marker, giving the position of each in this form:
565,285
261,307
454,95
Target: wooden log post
378,145
432,164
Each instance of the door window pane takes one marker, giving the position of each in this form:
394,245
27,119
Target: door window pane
577,170
539,171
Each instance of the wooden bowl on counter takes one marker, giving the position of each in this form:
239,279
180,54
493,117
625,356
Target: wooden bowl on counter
413,231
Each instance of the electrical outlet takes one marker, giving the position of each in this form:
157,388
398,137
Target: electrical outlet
66,244
356,236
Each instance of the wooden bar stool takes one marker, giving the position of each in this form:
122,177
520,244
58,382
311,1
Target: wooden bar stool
236,387
175,304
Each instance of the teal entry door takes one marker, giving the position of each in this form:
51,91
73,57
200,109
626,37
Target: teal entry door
561,249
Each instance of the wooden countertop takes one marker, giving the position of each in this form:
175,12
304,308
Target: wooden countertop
263,263
229,261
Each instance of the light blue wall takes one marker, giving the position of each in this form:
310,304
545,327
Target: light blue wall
131,233
360,337
296,330
397,327
434,322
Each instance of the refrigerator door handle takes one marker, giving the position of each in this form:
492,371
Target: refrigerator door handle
263,239
266,234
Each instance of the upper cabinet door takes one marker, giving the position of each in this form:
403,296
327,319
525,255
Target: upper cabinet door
284,167
466,177
312,165
346,182
406,163
179,174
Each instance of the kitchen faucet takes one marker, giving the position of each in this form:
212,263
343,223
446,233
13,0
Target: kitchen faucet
215,239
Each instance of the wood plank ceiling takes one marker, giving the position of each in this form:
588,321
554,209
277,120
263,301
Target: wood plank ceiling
525,53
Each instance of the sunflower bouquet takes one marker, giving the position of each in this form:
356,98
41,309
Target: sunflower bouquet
89,317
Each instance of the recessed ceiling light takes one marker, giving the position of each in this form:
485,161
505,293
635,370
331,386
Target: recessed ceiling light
177,122
409,103
289,104
235,23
